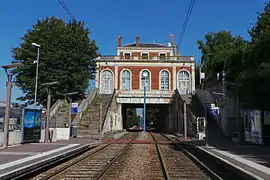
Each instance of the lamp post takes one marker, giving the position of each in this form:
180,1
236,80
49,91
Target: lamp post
48,85
69,97
8,99
145,75
37,61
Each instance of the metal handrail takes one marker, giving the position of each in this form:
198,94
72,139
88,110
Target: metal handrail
84,104
108,107
53,110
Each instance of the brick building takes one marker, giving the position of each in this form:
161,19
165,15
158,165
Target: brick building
166,71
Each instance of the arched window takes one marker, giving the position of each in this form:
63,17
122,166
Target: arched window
183,82
164,80
145,79
126,80
106,82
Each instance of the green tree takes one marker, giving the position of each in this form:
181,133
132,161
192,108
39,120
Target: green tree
261,28
66,55
217,51
255,77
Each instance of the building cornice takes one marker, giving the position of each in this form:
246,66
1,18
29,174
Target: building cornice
188,60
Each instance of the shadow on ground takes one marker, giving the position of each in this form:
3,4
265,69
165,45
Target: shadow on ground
217,139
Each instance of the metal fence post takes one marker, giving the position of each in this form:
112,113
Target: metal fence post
185,120
206,124
100,121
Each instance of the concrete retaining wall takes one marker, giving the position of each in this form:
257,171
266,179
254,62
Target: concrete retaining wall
61,134
58,134
113,120
14,137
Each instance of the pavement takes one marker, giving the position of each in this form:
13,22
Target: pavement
254,159
26,157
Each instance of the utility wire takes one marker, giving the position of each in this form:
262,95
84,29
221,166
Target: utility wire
62,3
184,27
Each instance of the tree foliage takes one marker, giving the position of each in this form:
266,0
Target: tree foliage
261,28
66,56
246,63
217,51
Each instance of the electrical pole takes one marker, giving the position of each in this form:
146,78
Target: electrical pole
7,112
48,116
8,99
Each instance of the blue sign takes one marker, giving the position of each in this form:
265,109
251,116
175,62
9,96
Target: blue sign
215,111
74,108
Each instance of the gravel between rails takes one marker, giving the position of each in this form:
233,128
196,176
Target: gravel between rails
179,166
139,162
90,166
56,168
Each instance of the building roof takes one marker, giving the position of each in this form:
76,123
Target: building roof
148,45
13,112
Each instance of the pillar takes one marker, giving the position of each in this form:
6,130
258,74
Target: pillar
116,77
119,117
193,78
174,77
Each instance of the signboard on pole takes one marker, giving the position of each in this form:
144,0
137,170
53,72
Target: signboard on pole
74,108
215,111
31,130
202,75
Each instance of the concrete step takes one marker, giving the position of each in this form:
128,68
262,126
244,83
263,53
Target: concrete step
90,116
90,136
87,132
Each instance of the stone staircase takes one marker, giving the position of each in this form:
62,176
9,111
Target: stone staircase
62,116
89,125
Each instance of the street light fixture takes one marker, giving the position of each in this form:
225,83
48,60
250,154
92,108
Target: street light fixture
48,85
145,75
8,99
69,97
37,61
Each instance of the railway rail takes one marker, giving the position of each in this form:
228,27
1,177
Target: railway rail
89,164
176,165
214,168
162,157
140,161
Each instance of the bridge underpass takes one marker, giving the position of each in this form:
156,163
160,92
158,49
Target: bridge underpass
156,116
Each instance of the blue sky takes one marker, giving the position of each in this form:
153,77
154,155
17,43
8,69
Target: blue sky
152,20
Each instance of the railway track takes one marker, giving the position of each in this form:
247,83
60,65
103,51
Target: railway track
160,157
140,161
176,165
90,164
214,168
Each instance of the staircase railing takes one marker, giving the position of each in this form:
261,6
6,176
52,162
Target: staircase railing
53,110
108,107
84,104
55,107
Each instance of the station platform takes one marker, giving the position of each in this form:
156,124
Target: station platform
26,157
252,160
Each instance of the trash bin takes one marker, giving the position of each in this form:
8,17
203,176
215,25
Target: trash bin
73,131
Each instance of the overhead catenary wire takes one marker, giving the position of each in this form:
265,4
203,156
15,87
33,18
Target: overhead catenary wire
184,27
62,3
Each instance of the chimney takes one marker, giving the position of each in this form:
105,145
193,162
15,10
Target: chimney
137,40
119,41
